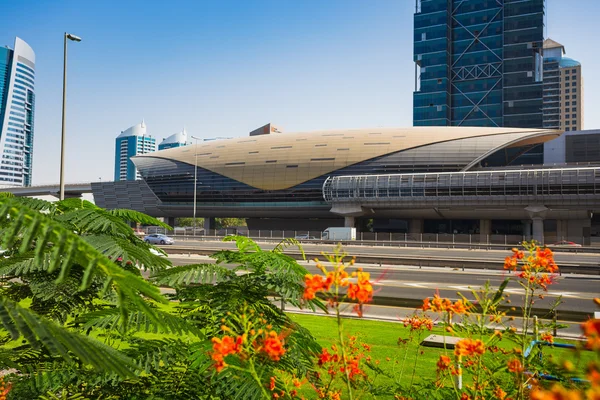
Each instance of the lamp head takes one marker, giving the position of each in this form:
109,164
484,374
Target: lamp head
73,37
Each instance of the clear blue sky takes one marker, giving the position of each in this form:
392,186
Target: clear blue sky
223,68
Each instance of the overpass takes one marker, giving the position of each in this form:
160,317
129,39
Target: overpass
71,190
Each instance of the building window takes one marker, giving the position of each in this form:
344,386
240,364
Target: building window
439,108
567,97
566,78
574,109
567,122
573,116
424,36
567,90
573,70
567,109
574,103
566,129
574,96
567,84
574,90
567,103
574,77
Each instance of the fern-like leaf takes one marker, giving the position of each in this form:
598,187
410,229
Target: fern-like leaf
138,252
20,322
192,274
137,217
110,319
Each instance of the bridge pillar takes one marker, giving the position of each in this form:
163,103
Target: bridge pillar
526,229
537,214
349,222
562,229
415,226
170,221
485,229
209,223
538,229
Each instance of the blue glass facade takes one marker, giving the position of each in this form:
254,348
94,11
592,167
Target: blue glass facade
17,112
130,143
164,146
478,63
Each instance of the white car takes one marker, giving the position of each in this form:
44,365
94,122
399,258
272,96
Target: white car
158,238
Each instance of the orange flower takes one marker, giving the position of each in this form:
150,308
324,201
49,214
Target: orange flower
591,330
224,347
314,284
469,347
465,397
459,307
273,346
324,357
362,290
547,337
272,384
515,366
417,323
510,263
556,393
499,393
443,363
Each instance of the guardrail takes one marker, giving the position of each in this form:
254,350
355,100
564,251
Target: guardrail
588,268
449,240
396,243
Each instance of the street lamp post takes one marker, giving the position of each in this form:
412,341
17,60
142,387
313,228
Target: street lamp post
195,179
64,104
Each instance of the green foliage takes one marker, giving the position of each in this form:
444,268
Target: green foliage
78,320
222,223
187,221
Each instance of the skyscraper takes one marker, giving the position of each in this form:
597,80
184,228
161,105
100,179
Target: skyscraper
478,63
175,140
17,109
131,142
563,89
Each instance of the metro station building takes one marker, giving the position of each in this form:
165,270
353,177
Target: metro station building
418,179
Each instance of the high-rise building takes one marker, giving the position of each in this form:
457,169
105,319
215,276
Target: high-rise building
175,140
478,63
131,142
563,89
17,109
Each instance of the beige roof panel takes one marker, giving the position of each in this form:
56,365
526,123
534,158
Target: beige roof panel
251,159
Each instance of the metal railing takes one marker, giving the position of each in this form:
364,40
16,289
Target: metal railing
379,238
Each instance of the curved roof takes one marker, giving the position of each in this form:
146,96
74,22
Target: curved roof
275,162
136,130
179,137
24,50
566,62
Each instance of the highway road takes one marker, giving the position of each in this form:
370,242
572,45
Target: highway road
589,259
414,284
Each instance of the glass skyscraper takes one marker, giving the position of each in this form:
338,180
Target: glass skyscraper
131,142
478,63
17,109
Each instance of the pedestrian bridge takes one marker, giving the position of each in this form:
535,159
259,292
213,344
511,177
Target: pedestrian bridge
566,186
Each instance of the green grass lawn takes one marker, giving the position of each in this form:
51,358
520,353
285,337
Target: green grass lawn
383,338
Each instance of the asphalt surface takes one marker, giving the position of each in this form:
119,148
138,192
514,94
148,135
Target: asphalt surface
405,282
564,257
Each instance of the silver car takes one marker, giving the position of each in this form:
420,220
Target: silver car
158,238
